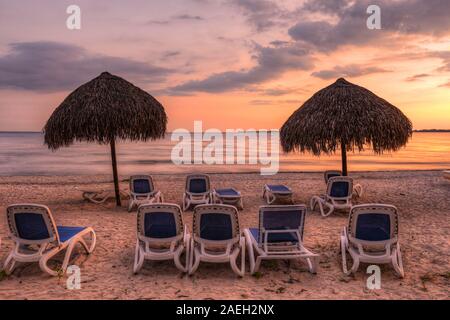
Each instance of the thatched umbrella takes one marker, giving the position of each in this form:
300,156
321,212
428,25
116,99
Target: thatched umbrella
346,116
103,110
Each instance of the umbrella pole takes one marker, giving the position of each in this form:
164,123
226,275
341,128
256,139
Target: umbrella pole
114,167
344,159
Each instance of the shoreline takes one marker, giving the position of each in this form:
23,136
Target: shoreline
256,172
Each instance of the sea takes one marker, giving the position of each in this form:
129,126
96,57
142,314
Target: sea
24,153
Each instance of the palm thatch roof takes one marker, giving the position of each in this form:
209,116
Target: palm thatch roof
104,109
345,114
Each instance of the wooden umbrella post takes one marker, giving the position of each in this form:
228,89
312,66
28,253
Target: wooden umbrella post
116,176
344,158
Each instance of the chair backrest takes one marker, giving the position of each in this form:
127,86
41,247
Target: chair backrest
331,173
340,187
216,222
283,217
197,183
279,188
159,221
141,184
373,222
31,224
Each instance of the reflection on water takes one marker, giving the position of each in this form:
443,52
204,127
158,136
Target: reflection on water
25,154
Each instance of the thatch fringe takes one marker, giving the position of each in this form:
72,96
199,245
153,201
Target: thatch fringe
345,112
106,108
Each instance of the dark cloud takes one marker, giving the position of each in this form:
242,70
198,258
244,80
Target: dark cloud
445,85
397,18
53,66
333,7
262,14
187,17
417,77
170,54
270,63
352,70
160,22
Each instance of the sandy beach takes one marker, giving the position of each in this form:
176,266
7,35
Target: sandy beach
422,197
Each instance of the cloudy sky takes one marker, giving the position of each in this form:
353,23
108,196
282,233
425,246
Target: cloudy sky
230,63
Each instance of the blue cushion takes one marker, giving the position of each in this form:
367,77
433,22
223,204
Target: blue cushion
141,186
65,233
216,226
31,226
278,188
339,189
227,192
275,237
373,227
160,225
197,185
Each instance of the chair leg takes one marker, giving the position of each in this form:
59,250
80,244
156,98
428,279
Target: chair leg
46,257
138,258
186,203
93,236
130,205
344,258
177,256
9,264
257,264
312,203
397,262
251,254
195,259
312,264
321,207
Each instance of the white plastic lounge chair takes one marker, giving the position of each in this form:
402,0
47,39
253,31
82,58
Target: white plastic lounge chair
447,174
161,235
338,196
142,191
101,196
357,188
279,236
331,174
38,239
276,192
228,196
372,237
216,237
197,191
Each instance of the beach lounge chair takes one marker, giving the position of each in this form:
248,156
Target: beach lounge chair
197,191
447,174
217,237
372,237
331,174
100,196
279,236
357,188
276,192
142,191
338,196
161,235
38,238
228,196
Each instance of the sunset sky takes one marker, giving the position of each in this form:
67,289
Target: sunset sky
230,63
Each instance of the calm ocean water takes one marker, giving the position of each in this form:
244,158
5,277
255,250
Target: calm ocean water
25,154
